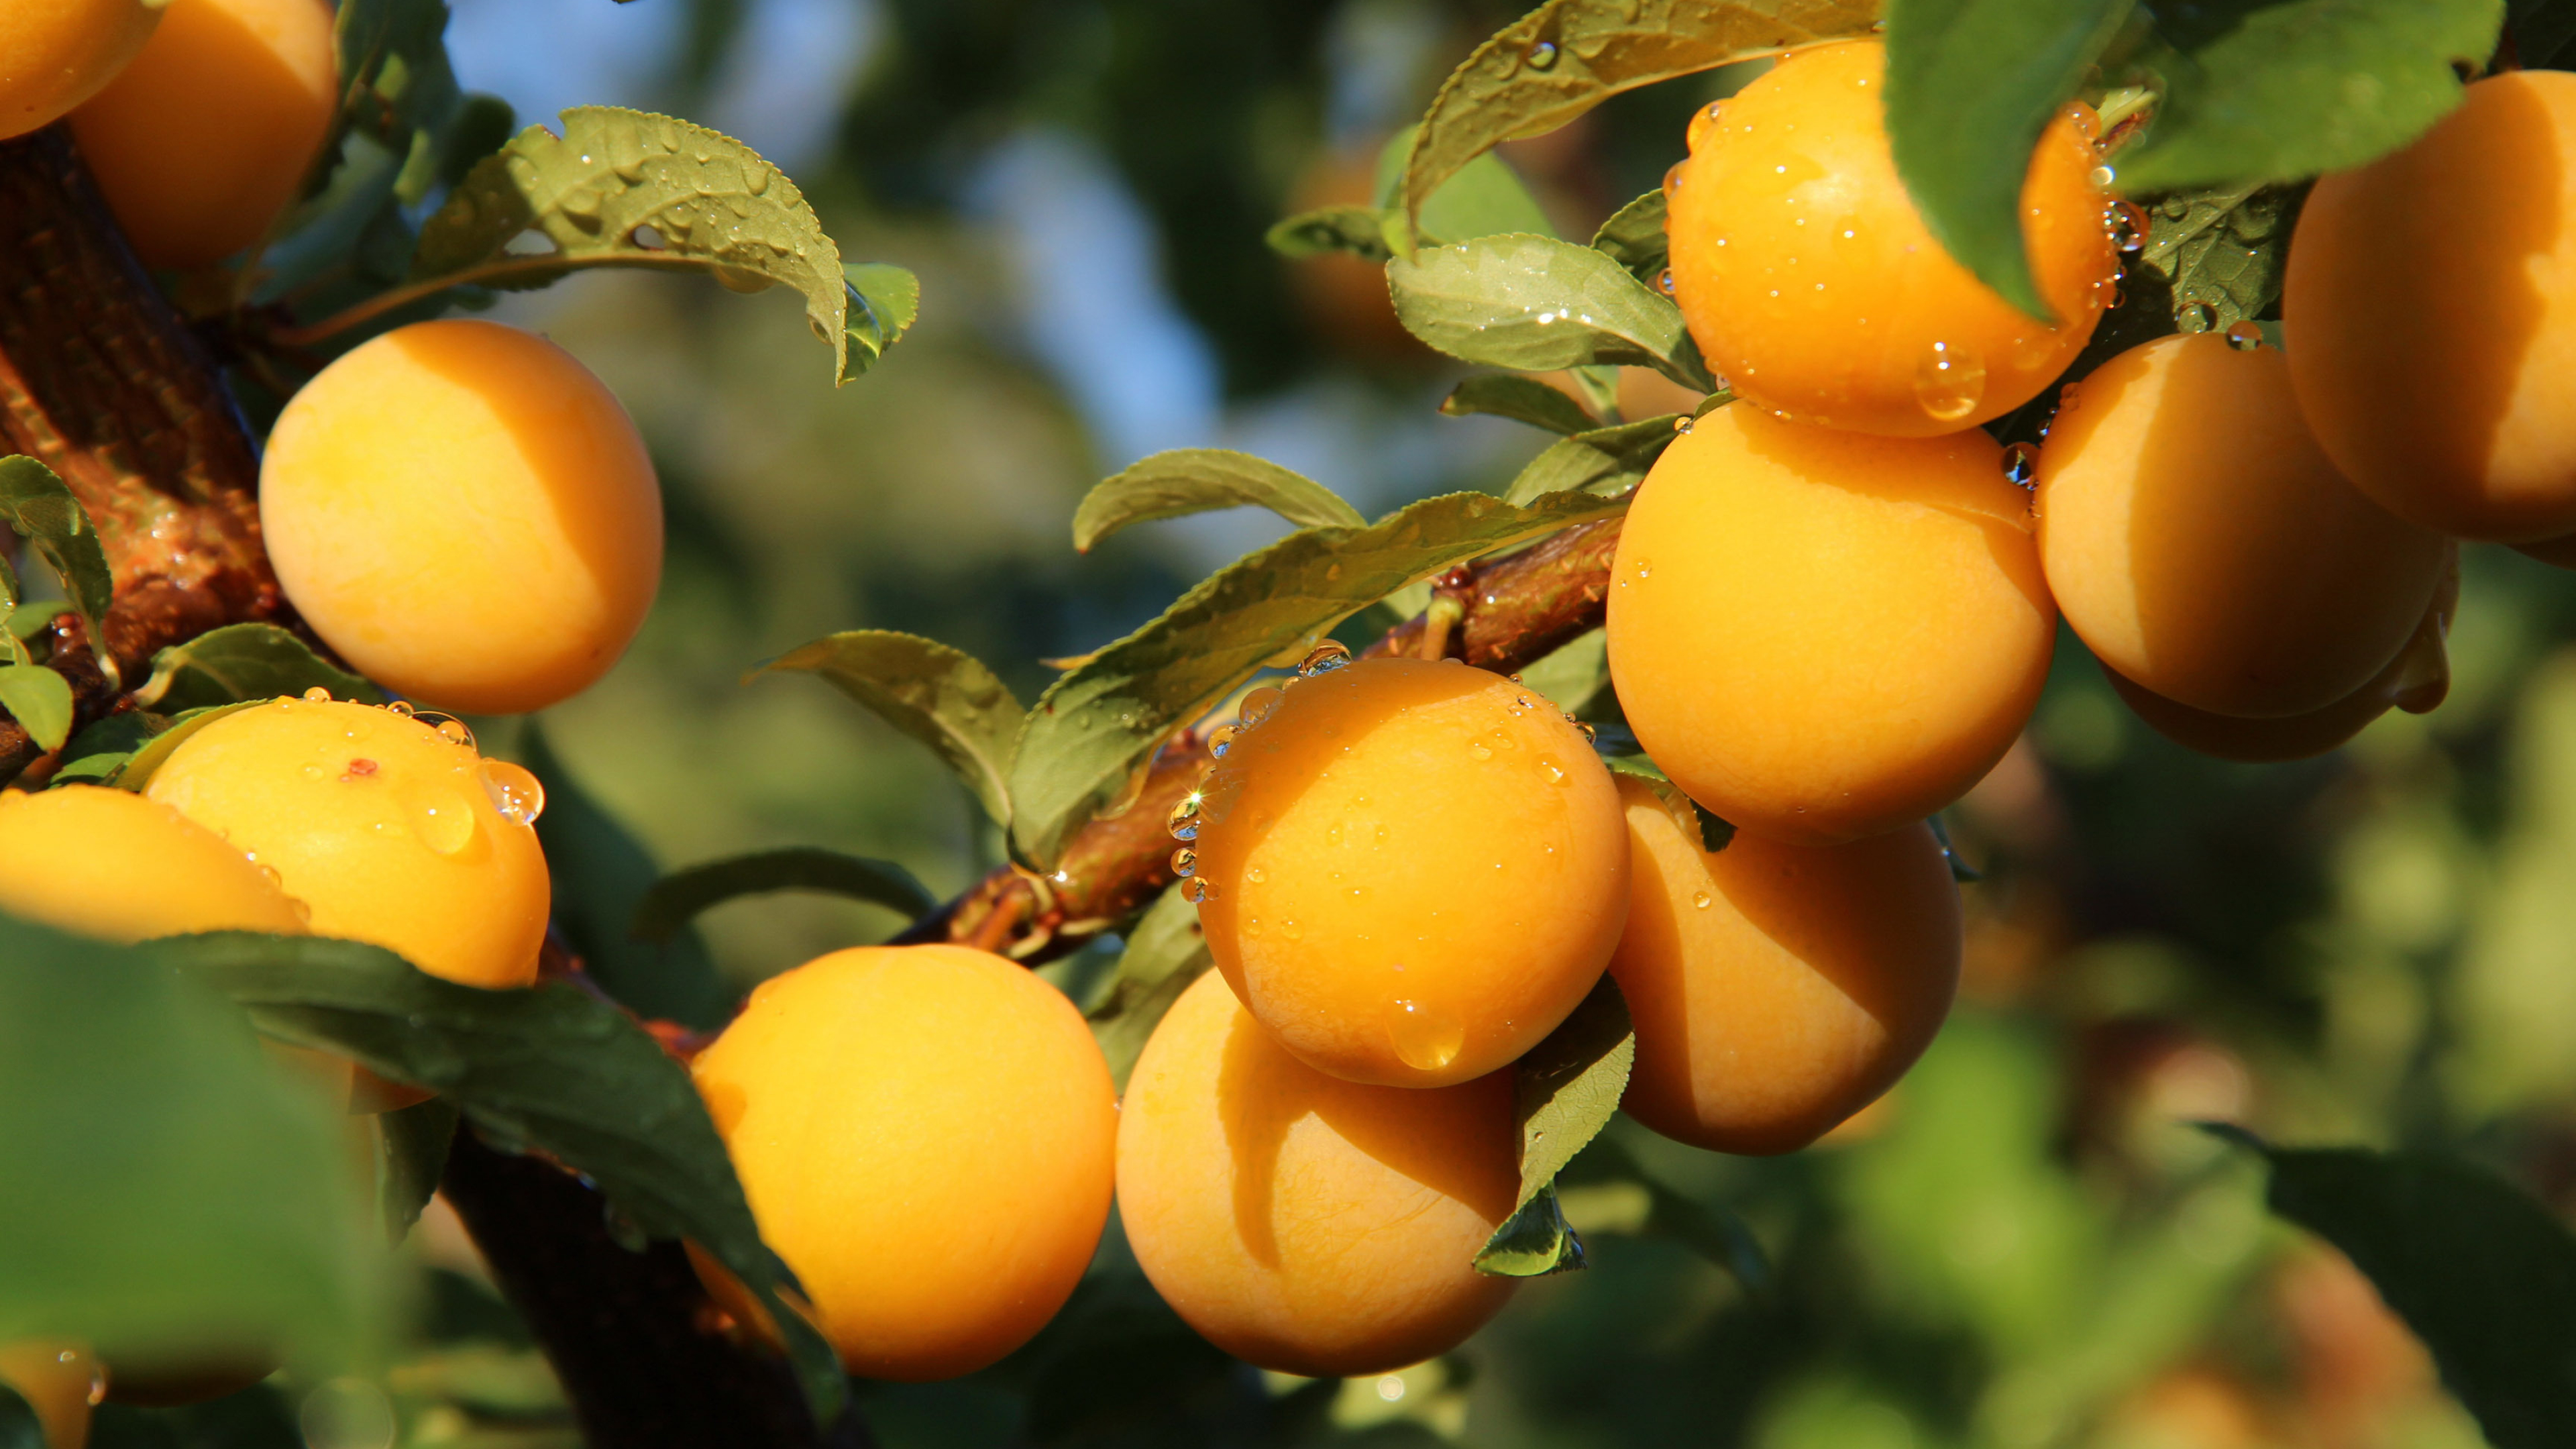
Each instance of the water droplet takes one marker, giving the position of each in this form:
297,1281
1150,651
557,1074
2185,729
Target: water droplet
442,820
1682,424
1644,568
1185,861
2196,317
515,793
1702,899
318,695
2086,121
1324,658
1259,705
312,772
1185,817
1292,930
1587,731
1194,890
2102,176
1425,1038
2128,226
2021,461
455,732
401,707
1478,751
1950,382
1540,56
1551,771
1221,739
1673,178
2244,336
1255,874
1664,281
1702,122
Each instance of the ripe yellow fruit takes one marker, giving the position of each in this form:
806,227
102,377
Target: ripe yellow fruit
1415,870
2196,538
55,54
1778,989
466,514
2430,302
391,831
111,864
1822,635
2416,681
56,1381
1299,1222
1811,283
206,137
926,1134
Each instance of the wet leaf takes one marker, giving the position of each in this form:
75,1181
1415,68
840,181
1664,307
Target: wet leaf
884,302
1522,399
943,697
623,188
2278,90
1533,1242
549,1067
1199,480
2484,1274
1535,304
1634,238
1608,461
678,898
1358,230
40,701
38,506
2224,250
411,1155
1166,951
1971,84
1099,724
244,661
1567,56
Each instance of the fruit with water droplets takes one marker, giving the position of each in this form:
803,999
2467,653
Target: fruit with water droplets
1812,284
1301,1222
1777,989
1413,870
2198,540
55,54
466,514
205,138
926,1135
114,865
387,829
1821,635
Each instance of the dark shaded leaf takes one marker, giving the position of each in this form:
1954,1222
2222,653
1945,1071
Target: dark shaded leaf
1183,481
1116,1350
1634,238
97,753
18,1426
677,899
411,1155
1535,304
1608,461
943,697
2223,250
1166,951
1522,399
39,700
244,661
1960,870
43,511
1358,230
1655,1210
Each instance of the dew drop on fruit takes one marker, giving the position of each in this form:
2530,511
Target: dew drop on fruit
1702,122
1221,739
442,820
1255,874
2244,336
1258,705
1185,861
1292,930
1950,382
515,793
1194,890
401,707
2102,176
1425,1038
1324,658
318,695
1645,567
455,732
1673,178
1552,770
1185,819
1681,424
1702,900
2021,460
1477,750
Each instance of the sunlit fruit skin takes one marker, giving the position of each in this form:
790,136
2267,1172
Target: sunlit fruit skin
2199,542
56,1380
205,138
387,829
1811,283
927,1137
2430,306
1778,989
1415,870
466,514
1300,1222
114,865
55,54
1822,635
2416,681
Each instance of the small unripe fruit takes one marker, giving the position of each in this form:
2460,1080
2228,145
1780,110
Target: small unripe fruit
2199,542
57,1381
111,864
1414,870
466,514
2430,302
55,54
206,137
1778,989
1811,283
1300,1222
392,832
926,1135
1822,635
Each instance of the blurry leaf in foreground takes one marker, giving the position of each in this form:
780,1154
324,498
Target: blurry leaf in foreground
1564,1091
1197,480
2484,1274
1165,953
244,661
40,507
166,1188
19,1427
1522,399
411,1154
1485,197
678,898
1606,1190
1359,230
943,697
1535,304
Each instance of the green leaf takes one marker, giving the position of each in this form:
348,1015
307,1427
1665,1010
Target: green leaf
39,700
2223,250
884,301
137,770
2484,1274
1711,832
1567,56
35,503
600,872
1634,238
98,752
1098,725
678,898
1607,1190
1535,304
2278,90
244,661
1166,951
411,1155
625,188
1198,480
943,697
1522,399
549,1067
1485,197
19,1428
168,1188
1574,673
1564,1091
1359,230
1971,84
1533,1242
1608,461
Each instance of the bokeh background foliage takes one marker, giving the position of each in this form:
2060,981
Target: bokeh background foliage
2029,1243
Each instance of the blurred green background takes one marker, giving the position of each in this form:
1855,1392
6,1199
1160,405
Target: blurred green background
2024,1246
